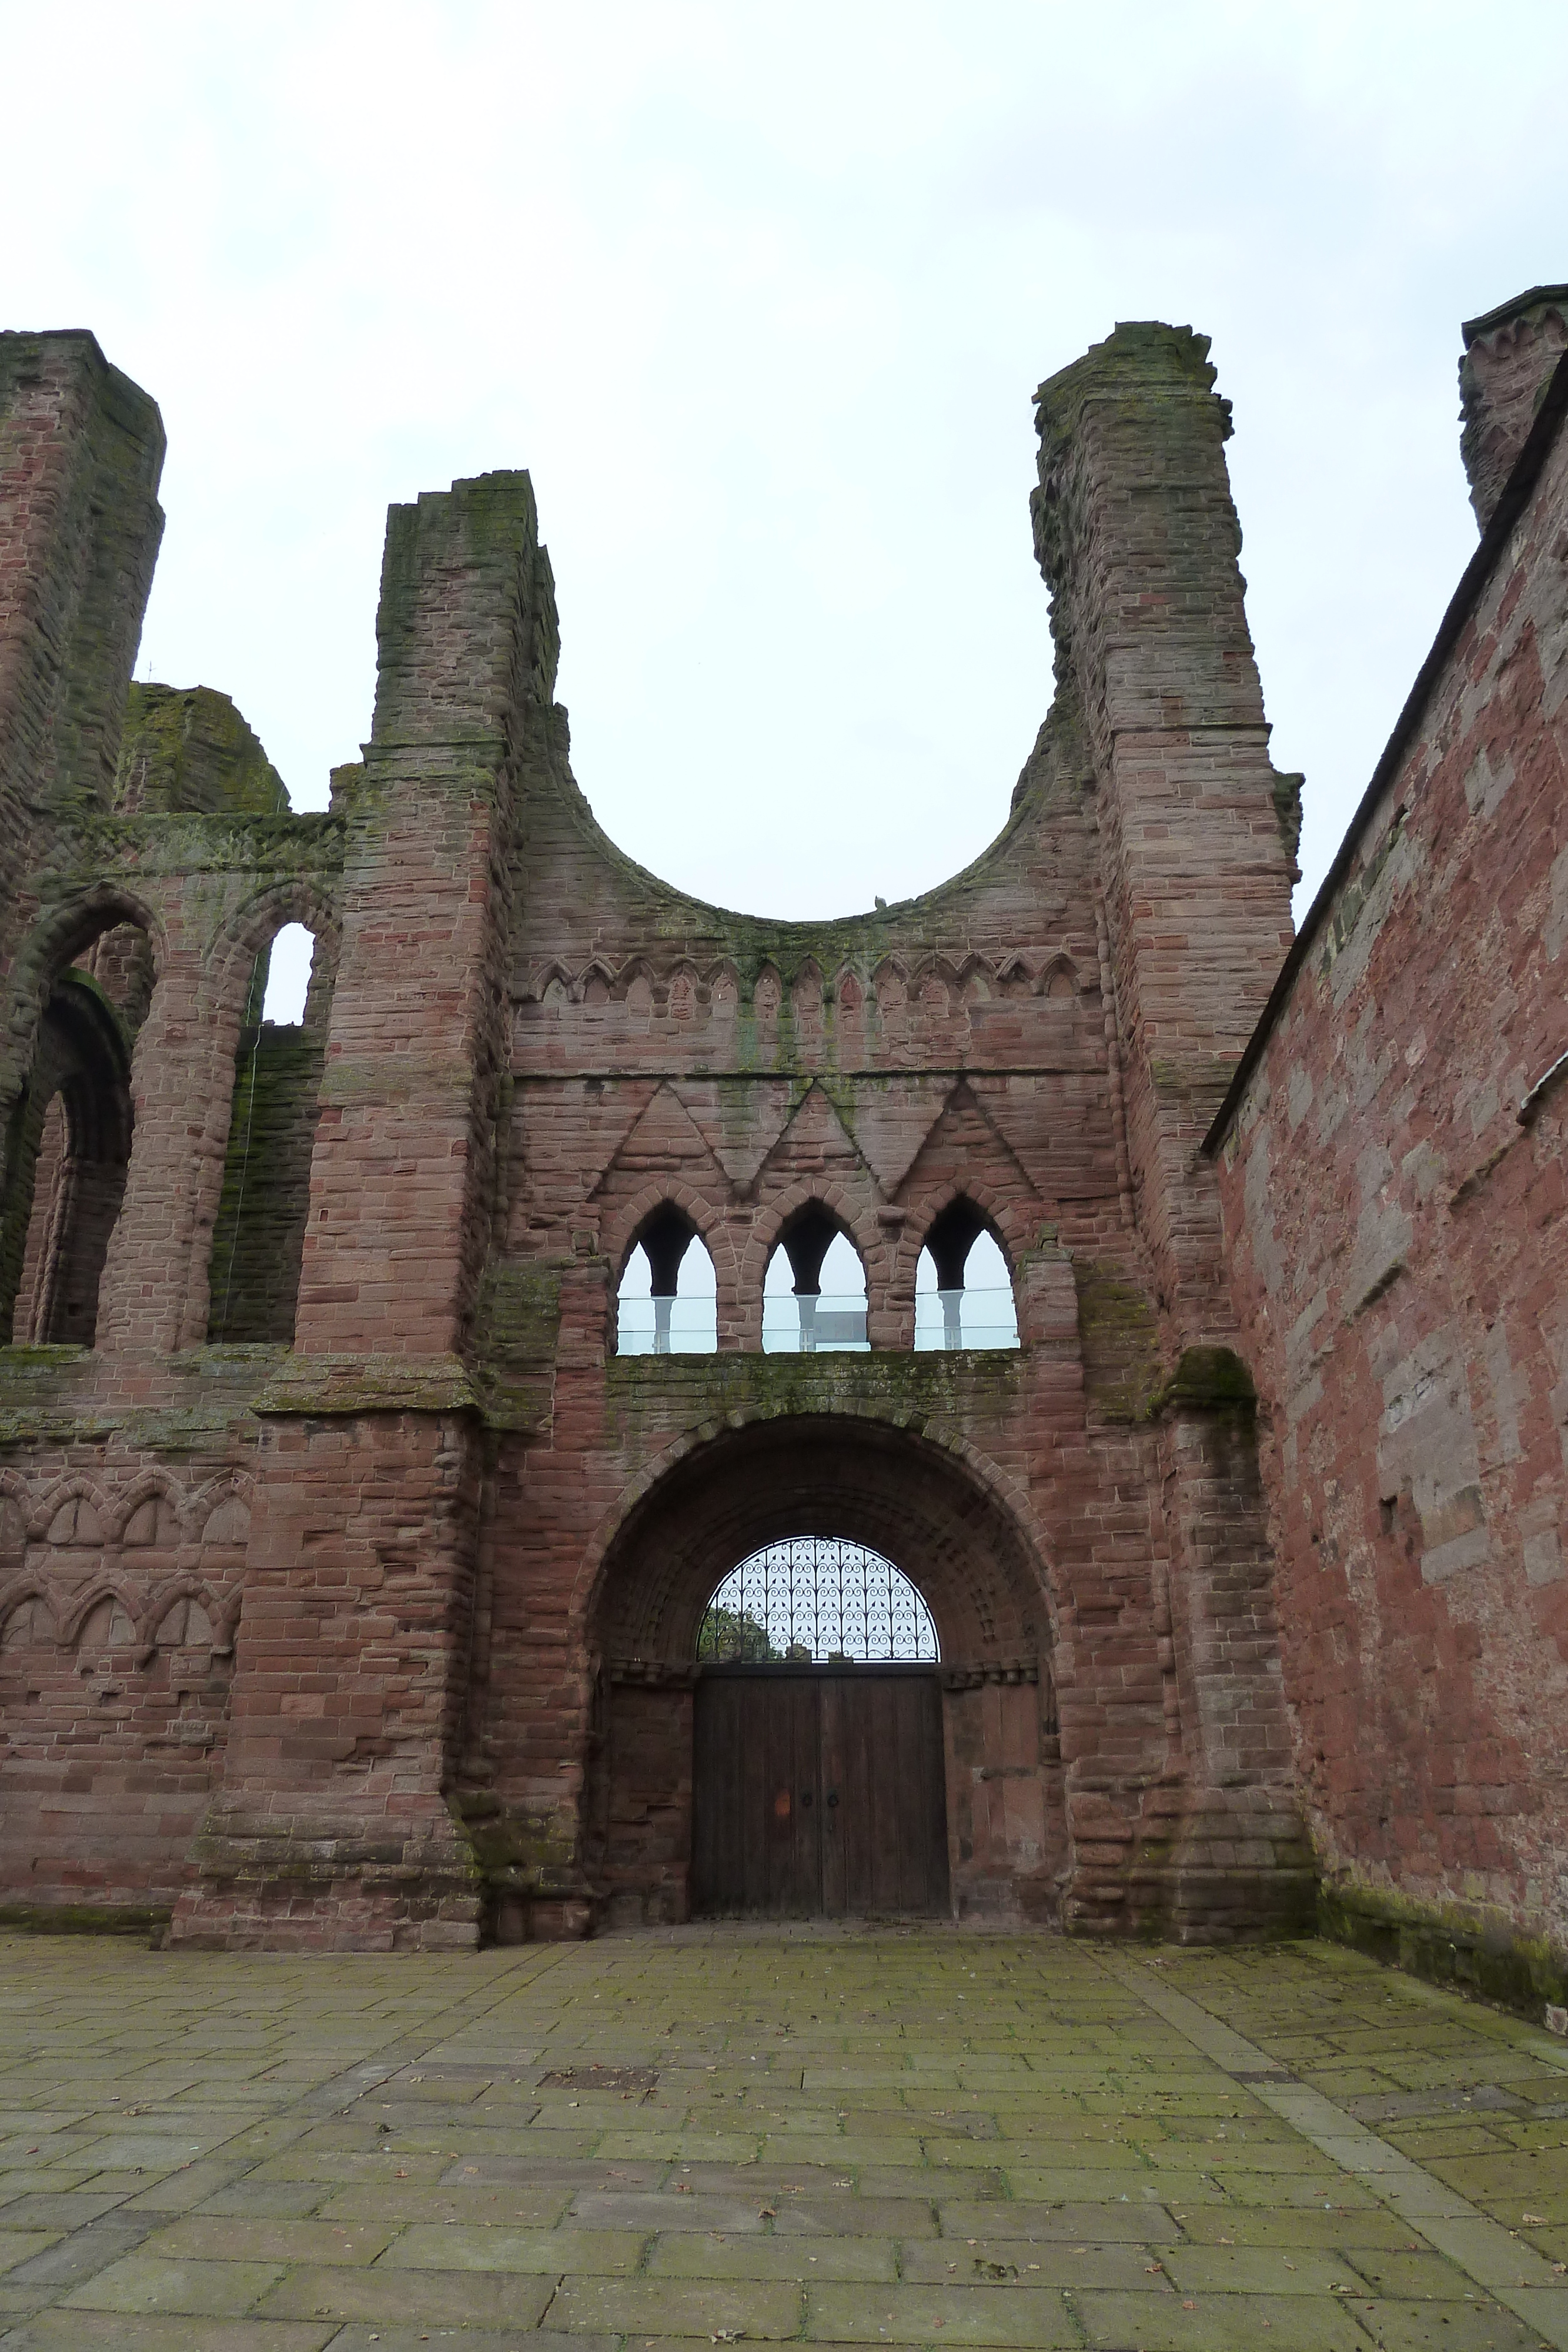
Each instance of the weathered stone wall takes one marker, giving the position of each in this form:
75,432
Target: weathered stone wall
81,449
123,1541
1393,1175
969,1041
1138,539
1503,377
258,1239
148,861
481,1541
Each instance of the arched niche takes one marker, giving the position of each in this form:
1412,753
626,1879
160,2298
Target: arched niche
918,1503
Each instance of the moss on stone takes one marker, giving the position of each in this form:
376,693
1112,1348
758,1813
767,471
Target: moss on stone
147,1922
1464,1950
188,749
1208,1380
259,1233
321,1386
516,1328
1119,1338
522,1852
185,845
890,1384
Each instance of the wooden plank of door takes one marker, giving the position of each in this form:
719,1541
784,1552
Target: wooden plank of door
715,1844
702,1783
807,1894
755,1742
859,1794
889,1762
766,1739
929,1786
837,1703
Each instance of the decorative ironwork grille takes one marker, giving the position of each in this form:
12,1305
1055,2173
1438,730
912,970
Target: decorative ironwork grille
816,1599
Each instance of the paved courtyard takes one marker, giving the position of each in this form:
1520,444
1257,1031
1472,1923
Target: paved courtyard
893,2137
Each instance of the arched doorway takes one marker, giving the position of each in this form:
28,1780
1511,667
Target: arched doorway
818,1781
662,1753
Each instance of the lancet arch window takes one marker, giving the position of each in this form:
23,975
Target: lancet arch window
813,1294
667,1304
963,1290
258,1236
817,1600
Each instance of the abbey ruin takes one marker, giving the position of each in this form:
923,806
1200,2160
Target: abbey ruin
360,1529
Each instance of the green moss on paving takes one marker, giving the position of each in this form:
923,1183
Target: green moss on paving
772,2130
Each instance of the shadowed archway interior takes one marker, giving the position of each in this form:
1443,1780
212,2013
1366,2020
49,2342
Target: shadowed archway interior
991,1736
914,1502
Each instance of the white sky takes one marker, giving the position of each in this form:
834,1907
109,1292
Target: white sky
760,296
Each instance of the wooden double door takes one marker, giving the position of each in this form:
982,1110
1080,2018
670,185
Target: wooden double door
819,1791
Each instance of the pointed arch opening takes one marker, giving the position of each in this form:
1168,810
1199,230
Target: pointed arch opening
68,1140
963,1290
813,1294
259,1235
667,1304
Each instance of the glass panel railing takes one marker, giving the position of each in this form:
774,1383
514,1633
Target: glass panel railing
965,1318
666,1327
829,1325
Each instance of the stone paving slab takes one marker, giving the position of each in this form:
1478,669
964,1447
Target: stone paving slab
890,2136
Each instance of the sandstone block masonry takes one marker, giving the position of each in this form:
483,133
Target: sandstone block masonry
350,1574
1391,1153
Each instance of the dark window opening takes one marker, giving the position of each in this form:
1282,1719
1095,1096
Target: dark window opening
67,1148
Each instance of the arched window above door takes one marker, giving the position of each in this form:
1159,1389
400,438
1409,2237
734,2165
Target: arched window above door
817,1600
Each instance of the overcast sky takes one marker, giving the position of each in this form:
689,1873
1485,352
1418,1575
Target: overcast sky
759,296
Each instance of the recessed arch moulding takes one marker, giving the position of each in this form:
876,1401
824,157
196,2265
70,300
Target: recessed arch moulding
477,1541
947,1521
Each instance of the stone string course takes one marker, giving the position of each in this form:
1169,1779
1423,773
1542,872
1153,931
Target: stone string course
430,1678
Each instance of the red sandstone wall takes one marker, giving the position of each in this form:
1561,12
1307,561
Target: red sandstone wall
469,1520
121,1587
1138,539
1400,1259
